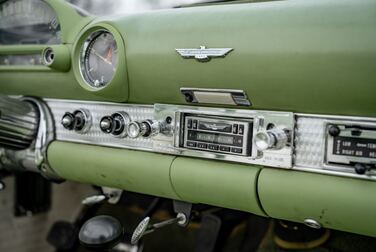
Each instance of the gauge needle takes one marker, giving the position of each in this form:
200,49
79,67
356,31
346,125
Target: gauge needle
101,57
104,59
109,55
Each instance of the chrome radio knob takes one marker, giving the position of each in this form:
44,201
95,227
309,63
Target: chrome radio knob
79,120
115,124
68,121
145,128
271,139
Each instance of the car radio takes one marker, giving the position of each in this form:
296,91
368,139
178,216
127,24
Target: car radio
217,134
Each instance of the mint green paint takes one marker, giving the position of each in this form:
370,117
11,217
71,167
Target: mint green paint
216,183
336,202
62,60
135,171
312,56
315,56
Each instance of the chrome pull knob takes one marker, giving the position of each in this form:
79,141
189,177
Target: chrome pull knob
272,139
115,124
68,121
145,128
79,120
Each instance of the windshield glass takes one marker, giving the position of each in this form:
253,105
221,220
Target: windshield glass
108,7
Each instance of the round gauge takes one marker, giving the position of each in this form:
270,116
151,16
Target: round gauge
99,59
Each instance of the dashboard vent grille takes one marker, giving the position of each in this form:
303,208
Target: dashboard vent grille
18,123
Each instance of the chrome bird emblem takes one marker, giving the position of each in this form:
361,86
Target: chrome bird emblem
203,54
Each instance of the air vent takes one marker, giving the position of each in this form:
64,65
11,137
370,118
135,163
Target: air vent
18,123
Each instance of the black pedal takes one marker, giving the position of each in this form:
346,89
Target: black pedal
63,236
32,194
209,233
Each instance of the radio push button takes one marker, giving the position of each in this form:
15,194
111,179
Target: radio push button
194,124
237,150
241,129
202,145
213,147
224,148
191,144
235,129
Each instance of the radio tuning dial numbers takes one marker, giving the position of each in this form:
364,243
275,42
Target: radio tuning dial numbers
272,139
145,128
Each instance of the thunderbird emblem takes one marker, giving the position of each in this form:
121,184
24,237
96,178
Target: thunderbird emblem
203,54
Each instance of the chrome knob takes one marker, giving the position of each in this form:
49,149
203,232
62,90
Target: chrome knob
136,129
271,139
79,120
106,124
116,124
145,128
68,121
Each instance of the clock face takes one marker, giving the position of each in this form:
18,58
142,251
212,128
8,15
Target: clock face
99,59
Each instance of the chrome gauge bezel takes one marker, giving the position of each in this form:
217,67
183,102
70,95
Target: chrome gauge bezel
85,48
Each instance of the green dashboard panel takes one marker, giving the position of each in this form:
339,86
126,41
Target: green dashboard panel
300,56
134,171
193,180
340,203
217,183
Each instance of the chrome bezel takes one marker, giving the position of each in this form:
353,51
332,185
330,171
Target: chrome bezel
82,60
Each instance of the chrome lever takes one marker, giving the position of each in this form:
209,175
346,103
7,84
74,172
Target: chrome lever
144,227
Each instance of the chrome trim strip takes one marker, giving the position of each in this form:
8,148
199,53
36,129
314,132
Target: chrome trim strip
168,142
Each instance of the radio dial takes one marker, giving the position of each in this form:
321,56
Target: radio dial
271,139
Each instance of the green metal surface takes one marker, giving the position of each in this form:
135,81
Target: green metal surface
335,202
216,183
312,56
135,171
303,56
61,60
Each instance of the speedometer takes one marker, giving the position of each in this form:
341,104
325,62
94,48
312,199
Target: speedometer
99,58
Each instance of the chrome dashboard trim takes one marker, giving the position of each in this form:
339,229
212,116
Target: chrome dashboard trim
168,141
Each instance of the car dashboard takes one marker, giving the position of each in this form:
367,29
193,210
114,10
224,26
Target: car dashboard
265,107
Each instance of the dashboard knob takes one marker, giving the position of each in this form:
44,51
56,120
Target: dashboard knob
360,168
68,121
116,124
271,139
145,128
136,129
106,124
79,121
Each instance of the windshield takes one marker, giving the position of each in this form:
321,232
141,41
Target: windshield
107,7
